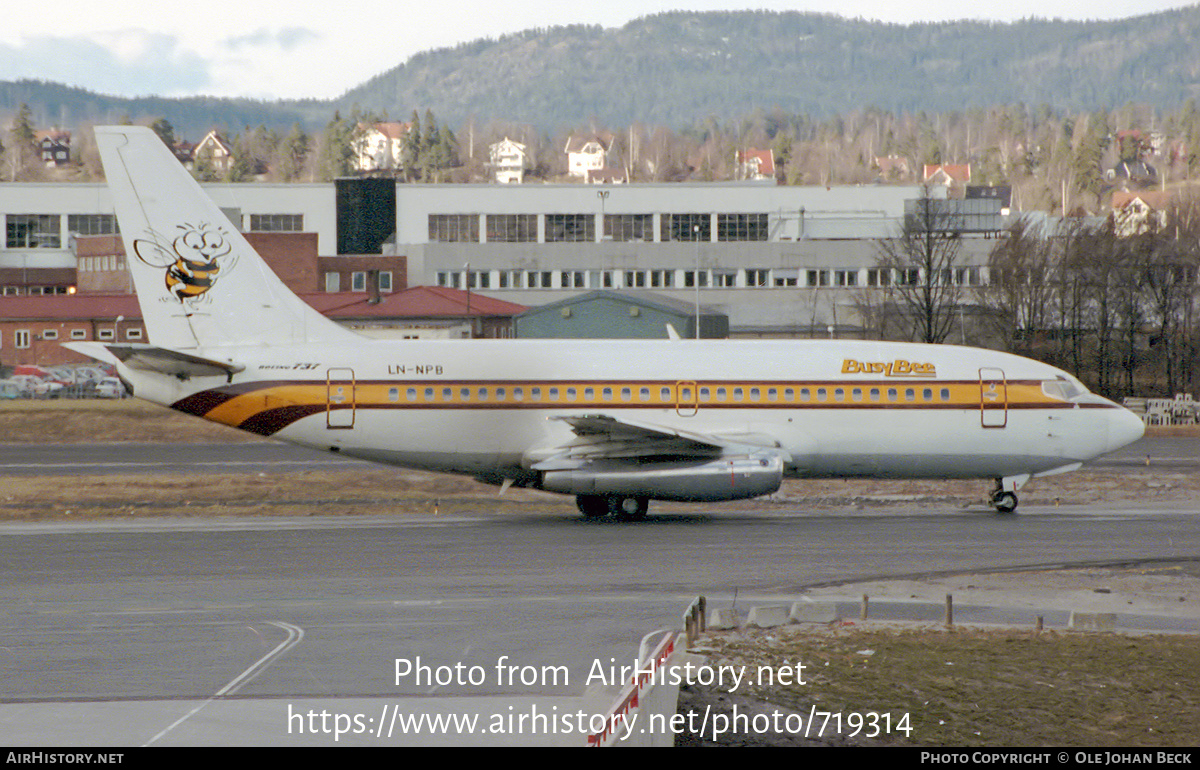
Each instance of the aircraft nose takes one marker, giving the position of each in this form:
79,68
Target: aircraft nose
1124,428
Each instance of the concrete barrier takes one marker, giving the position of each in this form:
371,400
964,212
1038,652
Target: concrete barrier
722,619
1092,621
814,612
768,617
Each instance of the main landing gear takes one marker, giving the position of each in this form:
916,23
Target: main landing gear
1004,496
618,506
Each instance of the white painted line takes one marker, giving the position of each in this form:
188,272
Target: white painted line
294,635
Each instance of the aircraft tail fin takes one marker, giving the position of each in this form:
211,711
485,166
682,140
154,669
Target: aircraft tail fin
199,283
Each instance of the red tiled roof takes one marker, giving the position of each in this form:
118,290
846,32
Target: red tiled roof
70,307
1155,199
765,158
413,302
957,172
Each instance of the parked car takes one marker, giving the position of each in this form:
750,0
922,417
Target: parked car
110,387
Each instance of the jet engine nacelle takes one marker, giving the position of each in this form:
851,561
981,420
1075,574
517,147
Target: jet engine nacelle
725,478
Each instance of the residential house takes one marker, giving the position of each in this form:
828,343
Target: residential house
953,176
54,147
587,153
380,146
754,164
1132,175
1138,212
509,161
893,168
216,151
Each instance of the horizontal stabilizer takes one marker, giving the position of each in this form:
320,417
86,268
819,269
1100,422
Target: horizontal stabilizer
148,358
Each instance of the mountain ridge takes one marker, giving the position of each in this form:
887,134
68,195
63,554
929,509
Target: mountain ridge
679,67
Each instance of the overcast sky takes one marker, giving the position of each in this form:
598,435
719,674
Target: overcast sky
320,49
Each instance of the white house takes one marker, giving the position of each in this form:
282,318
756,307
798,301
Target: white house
509,161
754,164
218,151
587,153
379,146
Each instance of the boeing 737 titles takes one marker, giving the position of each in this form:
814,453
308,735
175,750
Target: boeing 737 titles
614,423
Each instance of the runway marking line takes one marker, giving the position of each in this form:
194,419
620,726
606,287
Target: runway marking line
294,636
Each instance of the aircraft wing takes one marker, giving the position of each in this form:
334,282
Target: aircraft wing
604,437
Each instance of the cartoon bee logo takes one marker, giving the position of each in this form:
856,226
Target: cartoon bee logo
193,260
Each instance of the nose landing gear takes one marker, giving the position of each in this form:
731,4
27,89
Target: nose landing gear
1004,502
1004,496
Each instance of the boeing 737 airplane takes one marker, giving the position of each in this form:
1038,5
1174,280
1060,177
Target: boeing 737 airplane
615,423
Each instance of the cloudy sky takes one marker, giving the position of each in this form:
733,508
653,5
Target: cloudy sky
319,49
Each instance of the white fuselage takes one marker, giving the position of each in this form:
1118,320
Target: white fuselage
832,408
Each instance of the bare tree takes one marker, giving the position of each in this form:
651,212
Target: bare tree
922,259
1019,296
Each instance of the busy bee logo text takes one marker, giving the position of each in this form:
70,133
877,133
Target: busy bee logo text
193,260
897,368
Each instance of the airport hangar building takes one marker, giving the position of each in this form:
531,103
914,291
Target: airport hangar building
777,260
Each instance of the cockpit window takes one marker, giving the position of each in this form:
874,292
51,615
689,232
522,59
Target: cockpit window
1063,389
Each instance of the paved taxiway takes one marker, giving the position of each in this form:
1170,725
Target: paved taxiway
176,610
109,632
1167,452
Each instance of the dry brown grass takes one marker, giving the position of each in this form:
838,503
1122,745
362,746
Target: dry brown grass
88,421
987,688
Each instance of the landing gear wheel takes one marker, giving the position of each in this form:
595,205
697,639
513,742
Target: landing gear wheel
592,506
628,508
1004,502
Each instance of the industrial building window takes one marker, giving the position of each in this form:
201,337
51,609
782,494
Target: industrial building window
92,224
629,227
662,279
34,231
358,282
570,228
724,278
741,227
512,228
818,278
757,277
277,223
574,279
385,280
689,278
845,278
785,276
879,276
686,227
79,334
967,276
454,228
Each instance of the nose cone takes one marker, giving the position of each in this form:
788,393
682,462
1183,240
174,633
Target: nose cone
1124,428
